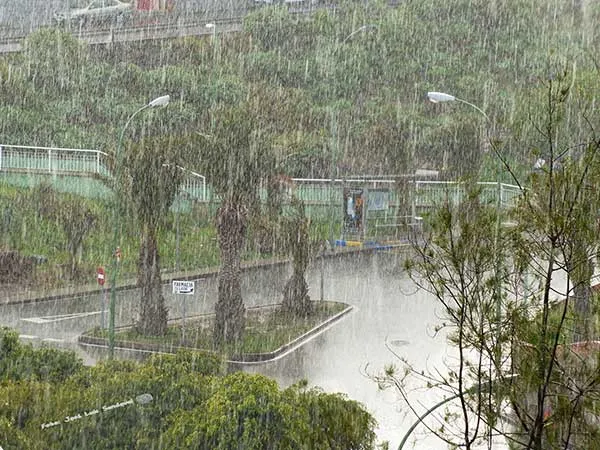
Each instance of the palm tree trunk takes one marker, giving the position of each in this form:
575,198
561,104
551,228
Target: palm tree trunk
230,310
153,313
296,300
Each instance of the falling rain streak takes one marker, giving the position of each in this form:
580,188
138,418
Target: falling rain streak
197,171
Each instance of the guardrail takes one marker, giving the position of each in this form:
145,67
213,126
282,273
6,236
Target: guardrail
139,33
423,193
164,26
432,193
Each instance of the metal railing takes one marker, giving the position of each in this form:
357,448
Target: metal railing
79,162
422,194
405,202
140,32
430,193
53,160
154,25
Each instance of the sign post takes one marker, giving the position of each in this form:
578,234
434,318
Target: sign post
184,287
101,277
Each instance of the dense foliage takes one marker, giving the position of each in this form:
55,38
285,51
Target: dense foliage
325,93
46,230
23,362
53,402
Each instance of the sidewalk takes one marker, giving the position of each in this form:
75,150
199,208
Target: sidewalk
29,294
10,294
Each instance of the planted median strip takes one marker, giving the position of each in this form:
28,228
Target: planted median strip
269,332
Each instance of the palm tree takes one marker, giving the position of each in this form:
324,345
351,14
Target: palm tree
236,158
296,300
151,181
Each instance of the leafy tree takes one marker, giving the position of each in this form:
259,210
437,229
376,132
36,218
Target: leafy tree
456,262
74,411
53,57
271,27
559,223
518,372
335,422
192,406
573,214
249,411
71,213
24,362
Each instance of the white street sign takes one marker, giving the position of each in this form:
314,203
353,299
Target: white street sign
183,287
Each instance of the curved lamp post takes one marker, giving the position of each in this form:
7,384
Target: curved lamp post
358,30
441,97
116,257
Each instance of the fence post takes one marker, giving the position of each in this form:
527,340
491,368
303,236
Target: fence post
413,199
457,194
1,148
49,161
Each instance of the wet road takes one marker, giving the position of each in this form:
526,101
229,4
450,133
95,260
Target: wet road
386,308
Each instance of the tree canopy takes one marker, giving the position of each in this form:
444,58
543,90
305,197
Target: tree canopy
350,80
170,401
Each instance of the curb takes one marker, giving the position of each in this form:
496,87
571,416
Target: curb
250,358
246,358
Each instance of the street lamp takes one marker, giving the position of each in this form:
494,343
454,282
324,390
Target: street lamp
116,257
441,97
358,30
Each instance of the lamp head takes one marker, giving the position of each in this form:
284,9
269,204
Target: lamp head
160,101
440,97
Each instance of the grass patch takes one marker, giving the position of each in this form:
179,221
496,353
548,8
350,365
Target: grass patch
267,329
187,239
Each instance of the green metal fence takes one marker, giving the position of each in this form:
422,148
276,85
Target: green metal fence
68,164
406,198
